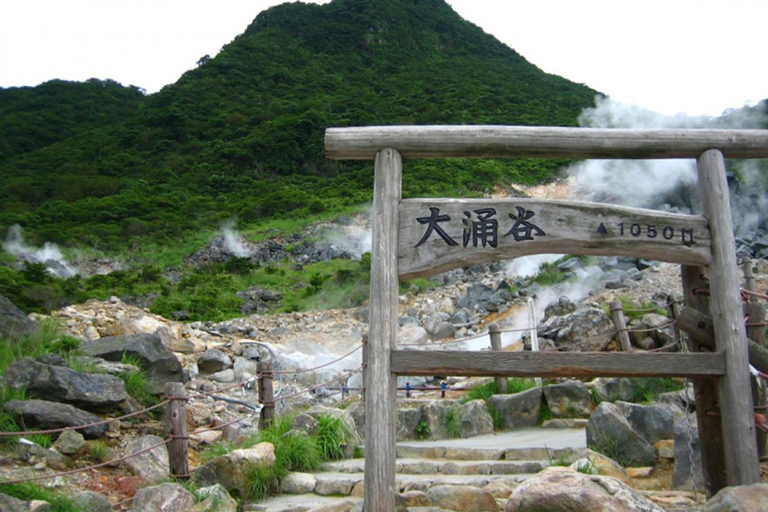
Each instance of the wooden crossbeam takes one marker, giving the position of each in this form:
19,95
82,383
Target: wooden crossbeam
556,364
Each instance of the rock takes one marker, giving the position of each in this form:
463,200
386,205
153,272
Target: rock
152,466
745,498
686,437
13,322
653,422
11,504
298,483
665,448
51,415
34,454
320,410
164,497
570,399
213,360
520,410
560,489
588,328
613,389
215,499
92,502
412,335
463,498
305,423
356,411
475,420
69,442
92,392
435,416
159,364
609,432
232,470
605,466
408,420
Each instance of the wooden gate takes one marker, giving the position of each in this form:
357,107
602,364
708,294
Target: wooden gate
421,237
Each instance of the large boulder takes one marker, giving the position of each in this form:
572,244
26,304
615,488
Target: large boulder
213,360
588,328
408,421
559,489
435,416
520,410
475,420
51,415
158,362
744,498
232,470
609,432
464,498
687,454
92,392
654,422
148,459
13,322
164,497
570,399
92,502
215,499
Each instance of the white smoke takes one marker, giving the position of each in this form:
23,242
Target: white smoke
233,240
525,266
49,255
356,239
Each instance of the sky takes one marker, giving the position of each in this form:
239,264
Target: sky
698,57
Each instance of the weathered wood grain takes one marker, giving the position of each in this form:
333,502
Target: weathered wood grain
362,143
176,426
556,364
380,383
565,227
741,461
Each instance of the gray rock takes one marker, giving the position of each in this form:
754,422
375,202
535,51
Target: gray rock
588,328
653,422
160,365
570,399
92,502
215,499
92,392
408,420
50,415
520,410
164,497
224,376
69,442
305,423
320,410
686,438
475,419
613,389
232,470
213,360
11,504
435,416
559,489
298,483
13,322
34,453
609,432
356,411
152,466
463,498
745,498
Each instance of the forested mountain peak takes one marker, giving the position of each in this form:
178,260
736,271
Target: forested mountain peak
241,136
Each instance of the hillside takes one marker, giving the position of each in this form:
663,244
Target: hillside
240,137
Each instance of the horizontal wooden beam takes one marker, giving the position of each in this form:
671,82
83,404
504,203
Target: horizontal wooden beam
556,364
436,235
362,143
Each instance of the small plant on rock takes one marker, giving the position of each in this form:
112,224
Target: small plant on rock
452,423
422,430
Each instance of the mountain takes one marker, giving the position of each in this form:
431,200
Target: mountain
241,136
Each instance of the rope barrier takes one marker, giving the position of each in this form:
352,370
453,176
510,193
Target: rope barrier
82,470
321,366
651,329
215,391
317,386
754,294
89,425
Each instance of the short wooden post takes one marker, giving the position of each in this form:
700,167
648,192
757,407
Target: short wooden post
741,461
673,307
756,333
620,324
266,395
705,391
495,333
380,382
176,426
365,364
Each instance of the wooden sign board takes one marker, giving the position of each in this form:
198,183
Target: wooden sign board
436,235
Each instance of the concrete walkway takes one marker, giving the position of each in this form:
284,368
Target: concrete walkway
552,438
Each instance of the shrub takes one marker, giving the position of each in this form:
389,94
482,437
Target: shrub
452,423
332,435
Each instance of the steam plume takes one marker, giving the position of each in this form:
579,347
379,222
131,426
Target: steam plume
49,255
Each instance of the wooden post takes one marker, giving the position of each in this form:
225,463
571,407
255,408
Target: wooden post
495,333
741,460
365,364
381,383
176,426
705,391
673,306
756,333
620,324
266,395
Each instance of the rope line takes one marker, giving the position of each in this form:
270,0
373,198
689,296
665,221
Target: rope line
317,386
291,372
80,427
82,470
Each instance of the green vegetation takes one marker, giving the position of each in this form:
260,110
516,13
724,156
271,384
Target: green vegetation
31,491
646,390
136,383
46,340
241,136
488,389
422,430
453,423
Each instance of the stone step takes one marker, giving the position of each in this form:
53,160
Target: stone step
484,454
447,467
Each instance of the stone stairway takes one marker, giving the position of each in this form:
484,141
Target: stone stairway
496,463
